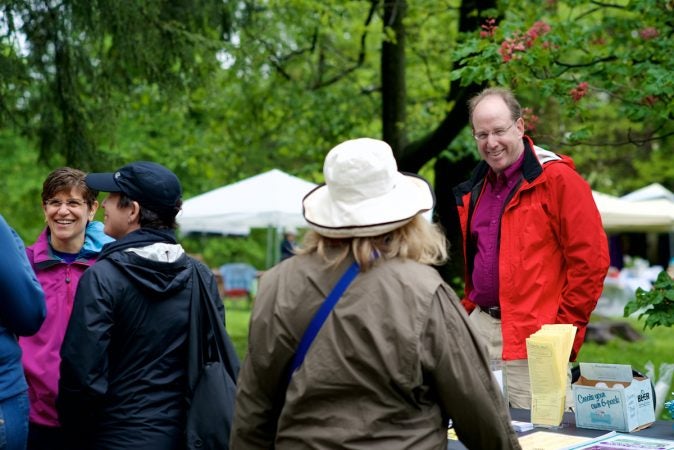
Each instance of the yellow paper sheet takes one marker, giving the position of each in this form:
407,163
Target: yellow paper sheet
548,353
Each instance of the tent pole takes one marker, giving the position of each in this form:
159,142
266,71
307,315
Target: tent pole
270,248
277,245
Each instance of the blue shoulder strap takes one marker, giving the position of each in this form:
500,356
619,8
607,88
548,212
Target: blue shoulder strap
321,315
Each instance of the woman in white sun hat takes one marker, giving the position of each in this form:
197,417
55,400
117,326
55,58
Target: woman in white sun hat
357,343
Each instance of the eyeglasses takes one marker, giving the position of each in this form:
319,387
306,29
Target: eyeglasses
70,204
484,135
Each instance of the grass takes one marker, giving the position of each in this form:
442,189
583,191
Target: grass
656,346
237,318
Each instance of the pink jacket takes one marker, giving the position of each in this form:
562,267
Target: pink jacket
41,352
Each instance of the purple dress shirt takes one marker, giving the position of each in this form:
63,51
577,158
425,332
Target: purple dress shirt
485,227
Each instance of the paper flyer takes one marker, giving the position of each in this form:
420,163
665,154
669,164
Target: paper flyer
548,353
618,441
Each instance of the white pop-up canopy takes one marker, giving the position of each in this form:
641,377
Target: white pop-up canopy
654,191
656,197
270,199
619,215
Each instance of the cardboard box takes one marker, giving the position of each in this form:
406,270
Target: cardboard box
609,397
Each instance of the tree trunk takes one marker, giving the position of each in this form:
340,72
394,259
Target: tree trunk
393,80
413,156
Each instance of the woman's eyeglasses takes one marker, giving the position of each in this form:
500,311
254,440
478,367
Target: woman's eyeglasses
70,204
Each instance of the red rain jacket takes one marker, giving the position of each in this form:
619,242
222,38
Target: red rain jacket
553,255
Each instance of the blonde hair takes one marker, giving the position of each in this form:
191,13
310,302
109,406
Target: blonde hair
417,240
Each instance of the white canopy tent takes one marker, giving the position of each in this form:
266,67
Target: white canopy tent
659,198
271,200
654,191
619,215
646,210
655,197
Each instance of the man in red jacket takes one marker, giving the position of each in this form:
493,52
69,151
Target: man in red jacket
534,246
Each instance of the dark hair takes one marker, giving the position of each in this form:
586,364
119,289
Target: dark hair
505,94
152,219
65,179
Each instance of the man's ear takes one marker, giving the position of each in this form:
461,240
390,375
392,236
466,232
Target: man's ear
134,212
92,210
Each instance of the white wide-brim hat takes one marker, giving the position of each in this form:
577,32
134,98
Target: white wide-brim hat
364,194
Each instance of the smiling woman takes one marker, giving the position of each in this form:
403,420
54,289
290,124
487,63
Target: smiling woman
67,215
64,250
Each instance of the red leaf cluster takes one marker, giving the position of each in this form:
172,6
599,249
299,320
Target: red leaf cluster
488,28
520,42
649,100
648,33
579,91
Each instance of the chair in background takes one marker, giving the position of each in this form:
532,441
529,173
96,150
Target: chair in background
238,281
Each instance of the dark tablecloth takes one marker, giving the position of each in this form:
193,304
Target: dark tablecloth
662,429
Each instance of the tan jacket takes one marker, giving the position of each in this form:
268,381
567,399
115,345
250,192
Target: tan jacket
394,361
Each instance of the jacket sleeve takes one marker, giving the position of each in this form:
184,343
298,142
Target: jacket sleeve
261,385
84,356
456,360
585,247
462,211
22,309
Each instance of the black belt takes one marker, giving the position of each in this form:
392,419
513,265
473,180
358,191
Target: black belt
494,311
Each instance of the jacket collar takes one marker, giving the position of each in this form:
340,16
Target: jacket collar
139,238
531,167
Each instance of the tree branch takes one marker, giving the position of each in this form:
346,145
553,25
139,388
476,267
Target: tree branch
278,61
359,60
629,141
607,5
416,154
599,5
587,64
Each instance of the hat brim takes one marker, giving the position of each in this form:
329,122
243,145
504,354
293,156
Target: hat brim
104,182
411,196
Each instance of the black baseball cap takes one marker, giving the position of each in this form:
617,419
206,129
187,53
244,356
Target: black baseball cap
152,185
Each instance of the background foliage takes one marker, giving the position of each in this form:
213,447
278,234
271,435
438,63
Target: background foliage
222,90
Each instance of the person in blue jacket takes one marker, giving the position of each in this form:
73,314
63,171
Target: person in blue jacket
22,311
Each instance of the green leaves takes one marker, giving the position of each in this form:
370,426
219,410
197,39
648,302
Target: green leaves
221,90
656,305
84,56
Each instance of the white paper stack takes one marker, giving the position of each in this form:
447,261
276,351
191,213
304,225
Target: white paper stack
521,427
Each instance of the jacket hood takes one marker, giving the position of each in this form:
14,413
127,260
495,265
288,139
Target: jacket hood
94,240
133,255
